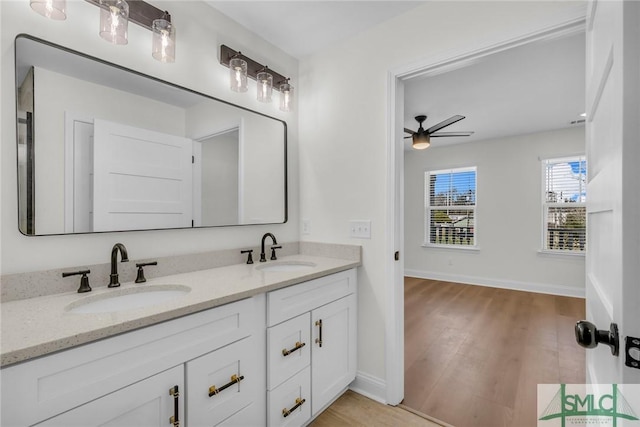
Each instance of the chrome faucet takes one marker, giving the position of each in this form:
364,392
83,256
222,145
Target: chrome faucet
263,257
124,257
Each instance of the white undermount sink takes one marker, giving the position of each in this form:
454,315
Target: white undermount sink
286,266
127,299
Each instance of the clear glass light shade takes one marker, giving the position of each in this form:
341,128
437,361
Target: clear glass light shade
52,9
238,75
265,86
114,21
421,141
286,97
164,41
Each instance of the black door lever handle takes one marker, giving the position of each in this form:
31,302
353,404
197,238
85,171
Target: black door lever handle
588,336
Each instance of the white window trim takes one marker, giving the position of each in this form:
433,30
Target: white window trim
543,251
427,211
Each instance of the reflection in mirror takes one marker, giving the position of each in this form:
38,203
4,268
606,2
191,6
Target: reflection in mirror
102,148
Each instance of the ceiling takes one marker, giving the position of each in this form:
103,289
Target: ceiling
303,27
531,88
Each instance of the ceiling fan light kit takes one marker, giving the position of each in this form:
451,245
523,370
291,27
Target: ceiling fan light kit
422,138
421,141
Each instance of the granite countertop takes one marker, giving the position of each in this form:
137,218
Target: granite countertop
38,326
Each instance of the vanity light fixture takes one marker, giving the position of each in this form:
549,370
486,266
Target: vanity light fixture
114,21
52,9
164,39
238,74
265,85
258,72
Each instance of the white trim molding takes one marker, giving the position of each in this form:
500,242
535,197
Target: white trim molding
541,288
370,386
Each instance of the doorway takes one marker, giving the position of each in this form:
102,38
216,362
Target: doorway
398,80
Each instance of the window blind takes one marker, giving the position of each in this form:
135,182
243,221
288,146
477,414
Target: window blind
564,204
450,207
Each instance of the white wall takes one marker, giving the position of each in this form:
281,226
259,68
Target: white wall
508,214
343,127
200,31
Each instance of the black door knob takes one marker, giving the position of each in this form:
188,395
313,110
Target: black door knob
588,336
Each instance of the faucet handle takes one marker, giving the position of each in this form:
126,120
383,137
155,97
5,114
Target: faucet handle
141,278
273,252
84,280
250,257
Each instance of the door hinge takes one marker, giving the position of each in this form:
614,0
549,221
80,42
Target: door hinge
396,256
193,159
192,223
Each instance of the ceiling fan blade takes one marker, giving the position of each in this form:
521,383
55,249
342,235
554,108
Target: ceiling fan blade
449,121
409,131
461,133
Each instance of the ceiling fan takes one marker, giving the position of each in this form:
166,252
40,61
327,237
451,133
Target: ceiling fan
422,138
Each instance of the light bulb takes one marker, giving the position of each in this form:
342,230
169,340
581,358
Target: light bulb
238,75
286,96
114,21
265,86
52,9
164,39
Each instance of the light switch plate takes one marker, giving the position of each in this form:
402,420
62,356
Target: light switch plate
360,229
306,226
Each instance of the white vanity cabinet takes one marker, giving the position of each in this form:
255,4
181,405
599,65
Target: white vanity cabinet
130,375
311,346
273,359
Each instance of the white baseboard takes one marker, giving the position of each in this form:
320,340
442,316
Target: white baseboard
542,288
370,386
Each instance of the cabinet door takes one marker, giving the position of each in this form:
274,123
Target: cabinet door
227,386
333,357
148,403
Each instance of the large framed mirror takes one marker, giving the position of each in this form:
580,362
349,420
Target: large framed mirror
102,148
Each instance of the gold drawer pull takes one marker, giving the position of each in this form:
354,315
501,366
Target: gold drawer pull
299,402
298,346
319,339
174,420
234,380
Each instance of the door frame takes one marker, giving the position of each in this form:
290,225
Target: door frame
394,271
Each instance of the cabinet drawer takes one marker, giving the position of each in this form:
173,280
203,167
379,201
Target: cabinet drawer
288,349
213,396
41,388
290,302
292,392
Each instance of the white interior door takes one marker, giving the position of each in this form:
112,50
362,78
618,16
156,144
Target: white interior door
142,179
613,207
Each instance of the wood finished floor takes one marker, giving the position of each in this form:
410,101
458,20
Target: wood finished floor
354,410
474,355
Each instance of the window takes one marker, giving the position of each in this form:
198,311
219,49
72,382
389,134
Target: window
564,204
450,207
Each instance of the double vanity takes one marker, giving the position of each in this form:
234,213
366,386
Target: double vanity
203,339
270,343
